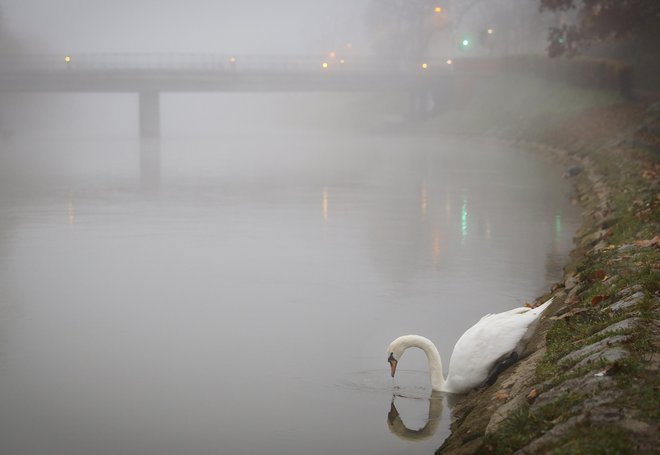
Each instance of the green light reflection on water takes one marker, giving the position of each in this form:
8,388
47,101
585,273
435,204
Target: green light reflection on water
558,225
464,216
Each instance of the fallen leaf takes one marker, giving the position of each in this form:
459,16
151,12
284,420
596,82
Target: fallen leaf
532,394
502,395
655,241
600,274
597,299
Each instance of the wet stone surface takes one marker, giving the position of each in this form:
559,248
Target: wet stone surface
626,324
595,347
627,302
585,384
611,355
629,290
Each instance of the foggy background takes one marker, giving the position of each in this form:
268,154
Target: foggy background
199,26
239,294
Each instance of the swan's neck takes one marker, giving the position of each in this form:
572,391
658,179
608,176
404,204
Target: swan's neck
433,356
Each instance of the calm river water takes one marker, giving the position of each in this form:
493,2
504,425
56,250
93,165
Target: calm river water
244,305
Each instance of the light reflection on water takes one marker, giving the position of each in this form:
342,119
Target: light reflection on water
243,304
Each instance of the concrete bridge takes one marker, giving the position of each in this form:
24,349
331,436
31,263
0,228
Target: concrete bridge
148,75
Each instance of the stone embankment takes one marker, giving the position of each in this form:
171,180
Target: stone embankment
591,383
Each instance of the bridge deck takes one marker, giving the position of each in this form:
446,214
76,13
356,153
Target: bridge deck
214,73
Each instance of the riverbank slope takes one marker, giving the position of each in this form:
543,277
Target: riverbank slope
591,384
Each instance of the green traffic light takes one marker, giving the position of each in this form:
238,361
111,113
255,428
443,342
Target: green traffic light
466,42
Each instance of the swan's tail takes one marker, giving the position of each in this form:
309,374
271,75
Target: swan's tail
541,308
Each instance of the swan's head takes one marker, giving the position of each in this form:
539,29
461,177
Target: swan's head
395,351
392,361
396,348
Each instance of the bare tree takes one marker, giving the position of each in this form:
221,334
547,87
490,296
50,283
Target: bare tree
587,21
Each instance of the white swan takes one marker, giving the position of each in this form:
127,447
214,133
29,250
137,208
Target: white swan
486,348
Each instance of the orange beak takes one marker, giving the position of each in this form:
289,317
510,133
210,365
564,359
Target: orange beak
393,363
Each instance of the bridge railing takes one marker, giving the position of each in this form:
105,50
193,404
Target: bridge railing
188,62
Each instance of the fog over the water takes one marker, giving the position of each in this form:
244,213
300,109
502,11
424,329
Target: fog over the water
199,26
220,269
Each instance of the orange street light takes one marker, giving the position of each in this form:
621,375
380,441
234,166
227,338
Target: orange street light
332,54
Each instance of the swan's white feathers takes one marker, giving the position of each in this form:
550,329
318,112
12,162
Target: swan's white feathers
483,345
477,351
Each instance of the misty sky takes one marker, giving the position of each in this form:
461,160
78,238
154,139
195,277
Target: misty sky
217,26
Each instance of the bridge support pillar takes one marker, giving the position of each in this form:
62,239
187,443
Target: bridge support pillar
421,103
149,107
149,113
150,164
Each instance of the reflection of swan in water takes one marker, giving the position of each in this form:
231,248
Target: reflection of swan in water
397,427
480,354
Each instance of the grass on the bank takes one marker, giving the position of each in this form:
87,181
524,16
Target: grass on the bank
525,424
588,440
637,384
633,199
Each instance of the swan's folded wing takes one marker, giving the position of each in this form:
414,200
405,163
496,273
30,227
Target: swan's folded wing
485,343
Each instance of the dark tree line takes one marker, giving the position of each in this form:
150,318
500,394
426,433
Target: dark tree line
589,21
404,28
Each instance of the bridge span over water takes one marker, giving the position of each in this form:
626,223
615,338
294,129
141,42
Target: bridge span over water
148,75
201,73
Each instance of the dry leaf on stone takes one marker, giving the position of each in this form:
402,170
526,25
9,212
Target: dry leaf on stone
532,394
655,242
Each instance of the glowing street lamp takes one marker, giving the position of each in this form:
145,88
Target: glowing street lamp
490,31
465,42
425,66
449,61
67,59
324,65
232,60
332,54
437,9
